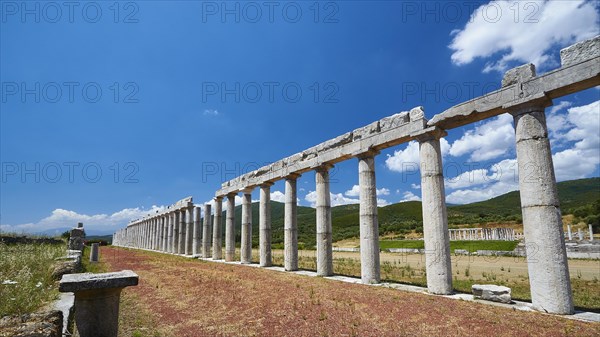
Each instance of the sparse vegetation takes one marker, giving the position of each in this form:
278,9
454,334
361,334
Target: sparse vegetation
25,276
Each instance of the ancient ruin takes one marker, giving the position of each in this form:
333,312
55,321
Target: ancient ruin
523,94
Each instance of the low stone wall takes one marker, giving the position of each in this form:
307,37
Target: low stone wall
42,324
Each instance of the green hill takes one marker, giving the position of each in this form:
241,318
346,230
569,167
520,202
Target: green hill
405,217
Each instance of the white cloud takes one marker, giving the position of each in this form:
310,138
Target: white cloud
414,187
523,31
407,160
211,112
488,140
62,218
410,196
338,199
355,191
278,196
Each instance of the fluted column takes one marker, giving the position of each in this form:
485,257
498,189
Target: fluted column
290,225
196,243
170,228
246,244
206,232
265,225
435,219
176,232
217,251
230,228
369,226
542,223
324,244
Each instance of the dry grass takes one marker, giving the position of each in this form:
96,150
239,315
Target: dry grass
182,297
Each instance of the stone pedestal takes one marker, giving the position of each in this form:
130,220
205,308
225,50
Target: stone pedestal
246,244
217,248
265,225
324,244
369,227
435,220
76,238
97,300
290,225
542,224
94,252
230,229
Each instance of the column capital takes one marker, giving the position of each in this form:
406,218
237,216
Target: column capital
367,154
218,198
323,167
293,176
538,102
430,133
231,195
267,184
247,190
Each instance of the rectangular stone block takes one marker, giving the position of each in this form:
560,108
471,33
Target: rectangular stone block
492,292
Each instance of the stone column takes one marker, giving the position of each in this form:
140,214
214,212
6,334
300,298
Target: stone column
217,249
290,224
182,231
324,244
591,232
570,234
580,234
265,225
206,232
170,226
97,300
197,230
369,226
176,232
94,252
246,244
435,219
165,243
189,230
230,228
542,224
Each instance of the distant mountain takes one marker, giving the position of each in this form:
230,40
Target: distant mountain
405,217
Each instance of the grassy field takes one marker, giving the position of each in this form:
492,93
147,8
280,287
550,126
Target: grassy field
25,276
507,271
471,246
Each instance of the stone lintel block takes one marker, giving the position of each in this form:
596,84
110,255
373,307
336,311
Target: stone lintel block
580,52
492,292
89,281
518,75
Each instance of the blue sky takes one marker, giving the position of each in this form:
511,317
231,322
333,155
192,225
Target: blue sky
109,111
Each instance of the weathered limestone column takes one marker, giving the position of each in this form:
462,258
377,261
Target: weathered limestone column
591,232
230,228
182,231
580,234
570,234
324,244
170,227
369,226
165,243
94,252
435,219
246,244
265,225
176,232
290,224
542,224
189,230
206,232
97,300
217,249
197,230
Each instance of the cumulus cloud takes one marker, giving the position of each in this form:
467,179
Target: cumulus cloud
355,191
62,218
488,140
211,112
523,31
409,196
407,160
338,199
278,196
